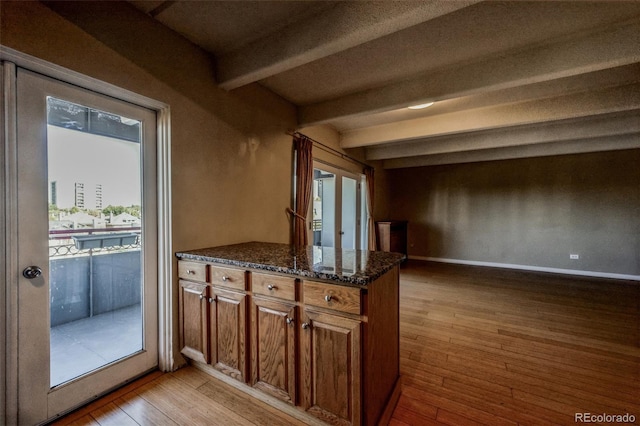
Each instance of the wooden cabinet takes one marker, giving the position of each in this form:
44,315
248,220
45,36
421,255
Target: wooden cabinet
335,297
194,320
229,332
328,350
331,369
228,323
213,318
392,236
277,286
194,310
193,271
274,337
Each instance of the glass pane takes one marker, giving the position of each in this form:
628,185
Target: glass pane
324,200
349,212
95,223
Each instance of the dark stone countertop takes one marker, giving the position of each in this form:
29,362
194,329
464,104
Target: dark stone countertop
350,267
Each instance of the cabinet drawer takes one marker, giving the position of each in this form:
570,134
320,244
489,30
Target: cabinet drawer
274,285
227,277
192,271
337,297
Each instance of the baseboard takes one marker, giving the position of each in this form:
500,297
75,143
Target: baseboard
593,274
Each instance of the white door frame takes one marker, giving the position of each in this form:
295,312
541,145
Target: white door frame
339,173
8,311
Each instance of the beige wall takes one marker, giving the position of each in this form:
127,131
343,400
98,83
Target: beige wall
532,212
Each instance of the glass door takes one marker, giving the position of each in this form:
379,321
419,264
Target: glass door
336,209
349,227
87,244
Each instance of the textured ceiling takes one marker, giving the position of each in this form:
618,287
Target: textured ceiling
513,68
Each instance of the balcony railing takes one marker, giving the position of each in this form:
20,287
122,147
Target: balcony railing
93,271
65,242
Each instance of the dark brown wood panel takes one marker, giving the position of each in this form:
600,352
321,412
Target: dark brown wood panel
331,368
228,333
194,320
273,348
332,296
381,331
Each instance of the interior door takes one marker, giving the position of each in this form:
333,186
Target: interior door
87,245
336,208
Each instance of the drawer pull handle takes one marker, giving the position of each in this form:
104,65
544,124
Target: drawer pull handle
289,320
328,298
305,325
190,272
271,287
225,278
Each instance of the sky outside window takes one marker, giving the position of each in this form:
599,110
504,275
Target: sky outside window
80,157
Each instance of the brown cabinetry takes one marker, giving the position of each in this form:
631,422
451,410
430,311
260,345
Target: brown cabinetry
392,236
315,347
194,320
228,321
274,360
229,332
331,373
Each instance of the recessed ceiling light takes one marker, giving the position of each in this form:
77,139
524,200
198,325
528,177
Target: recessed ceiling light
428,104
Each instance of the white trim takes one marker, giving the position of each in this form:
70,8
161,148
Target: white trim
11,242
339,173
66,75
166,360
531,268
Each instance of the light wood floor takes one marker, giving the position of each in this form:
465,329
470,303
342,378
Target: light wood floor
478,346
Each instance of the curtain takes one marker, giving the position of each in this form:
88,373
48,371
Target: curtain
371,225
304,182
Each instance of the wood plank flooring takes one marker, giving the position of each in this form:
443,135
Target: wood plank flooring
478,347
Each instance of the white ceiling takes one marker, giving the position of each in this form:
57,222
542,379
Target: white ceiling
510,79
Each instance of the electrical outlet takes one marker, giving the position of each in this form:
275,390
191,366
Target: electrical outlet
574,256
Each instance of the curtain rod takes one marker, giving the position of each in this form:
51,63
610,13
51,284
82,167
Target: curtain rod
329,149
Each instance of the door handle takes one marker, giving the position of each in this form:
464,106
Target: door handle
31,272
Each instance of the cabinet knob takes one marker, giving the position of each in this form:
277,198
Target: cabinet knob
201,296
271,287
305,325
289,320
328,298
190,272
211,300
225,278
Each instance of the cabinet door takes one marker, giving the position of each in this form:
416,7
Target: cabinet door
229,332
194,321
273,348
331,371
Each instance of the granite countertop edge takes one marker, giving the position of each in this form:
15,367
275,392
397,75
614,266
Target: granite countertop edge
352,280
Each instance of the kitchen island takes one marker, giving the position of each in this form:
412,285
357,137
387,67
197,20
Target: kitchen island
313,331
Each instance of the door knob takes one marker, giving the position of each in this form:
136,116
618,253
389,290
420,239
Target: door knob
32,272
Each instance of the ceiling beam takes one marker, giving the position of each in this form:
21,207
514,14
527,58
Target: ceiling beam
615,46
563,130
610,77
346,25
607,143
607,100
